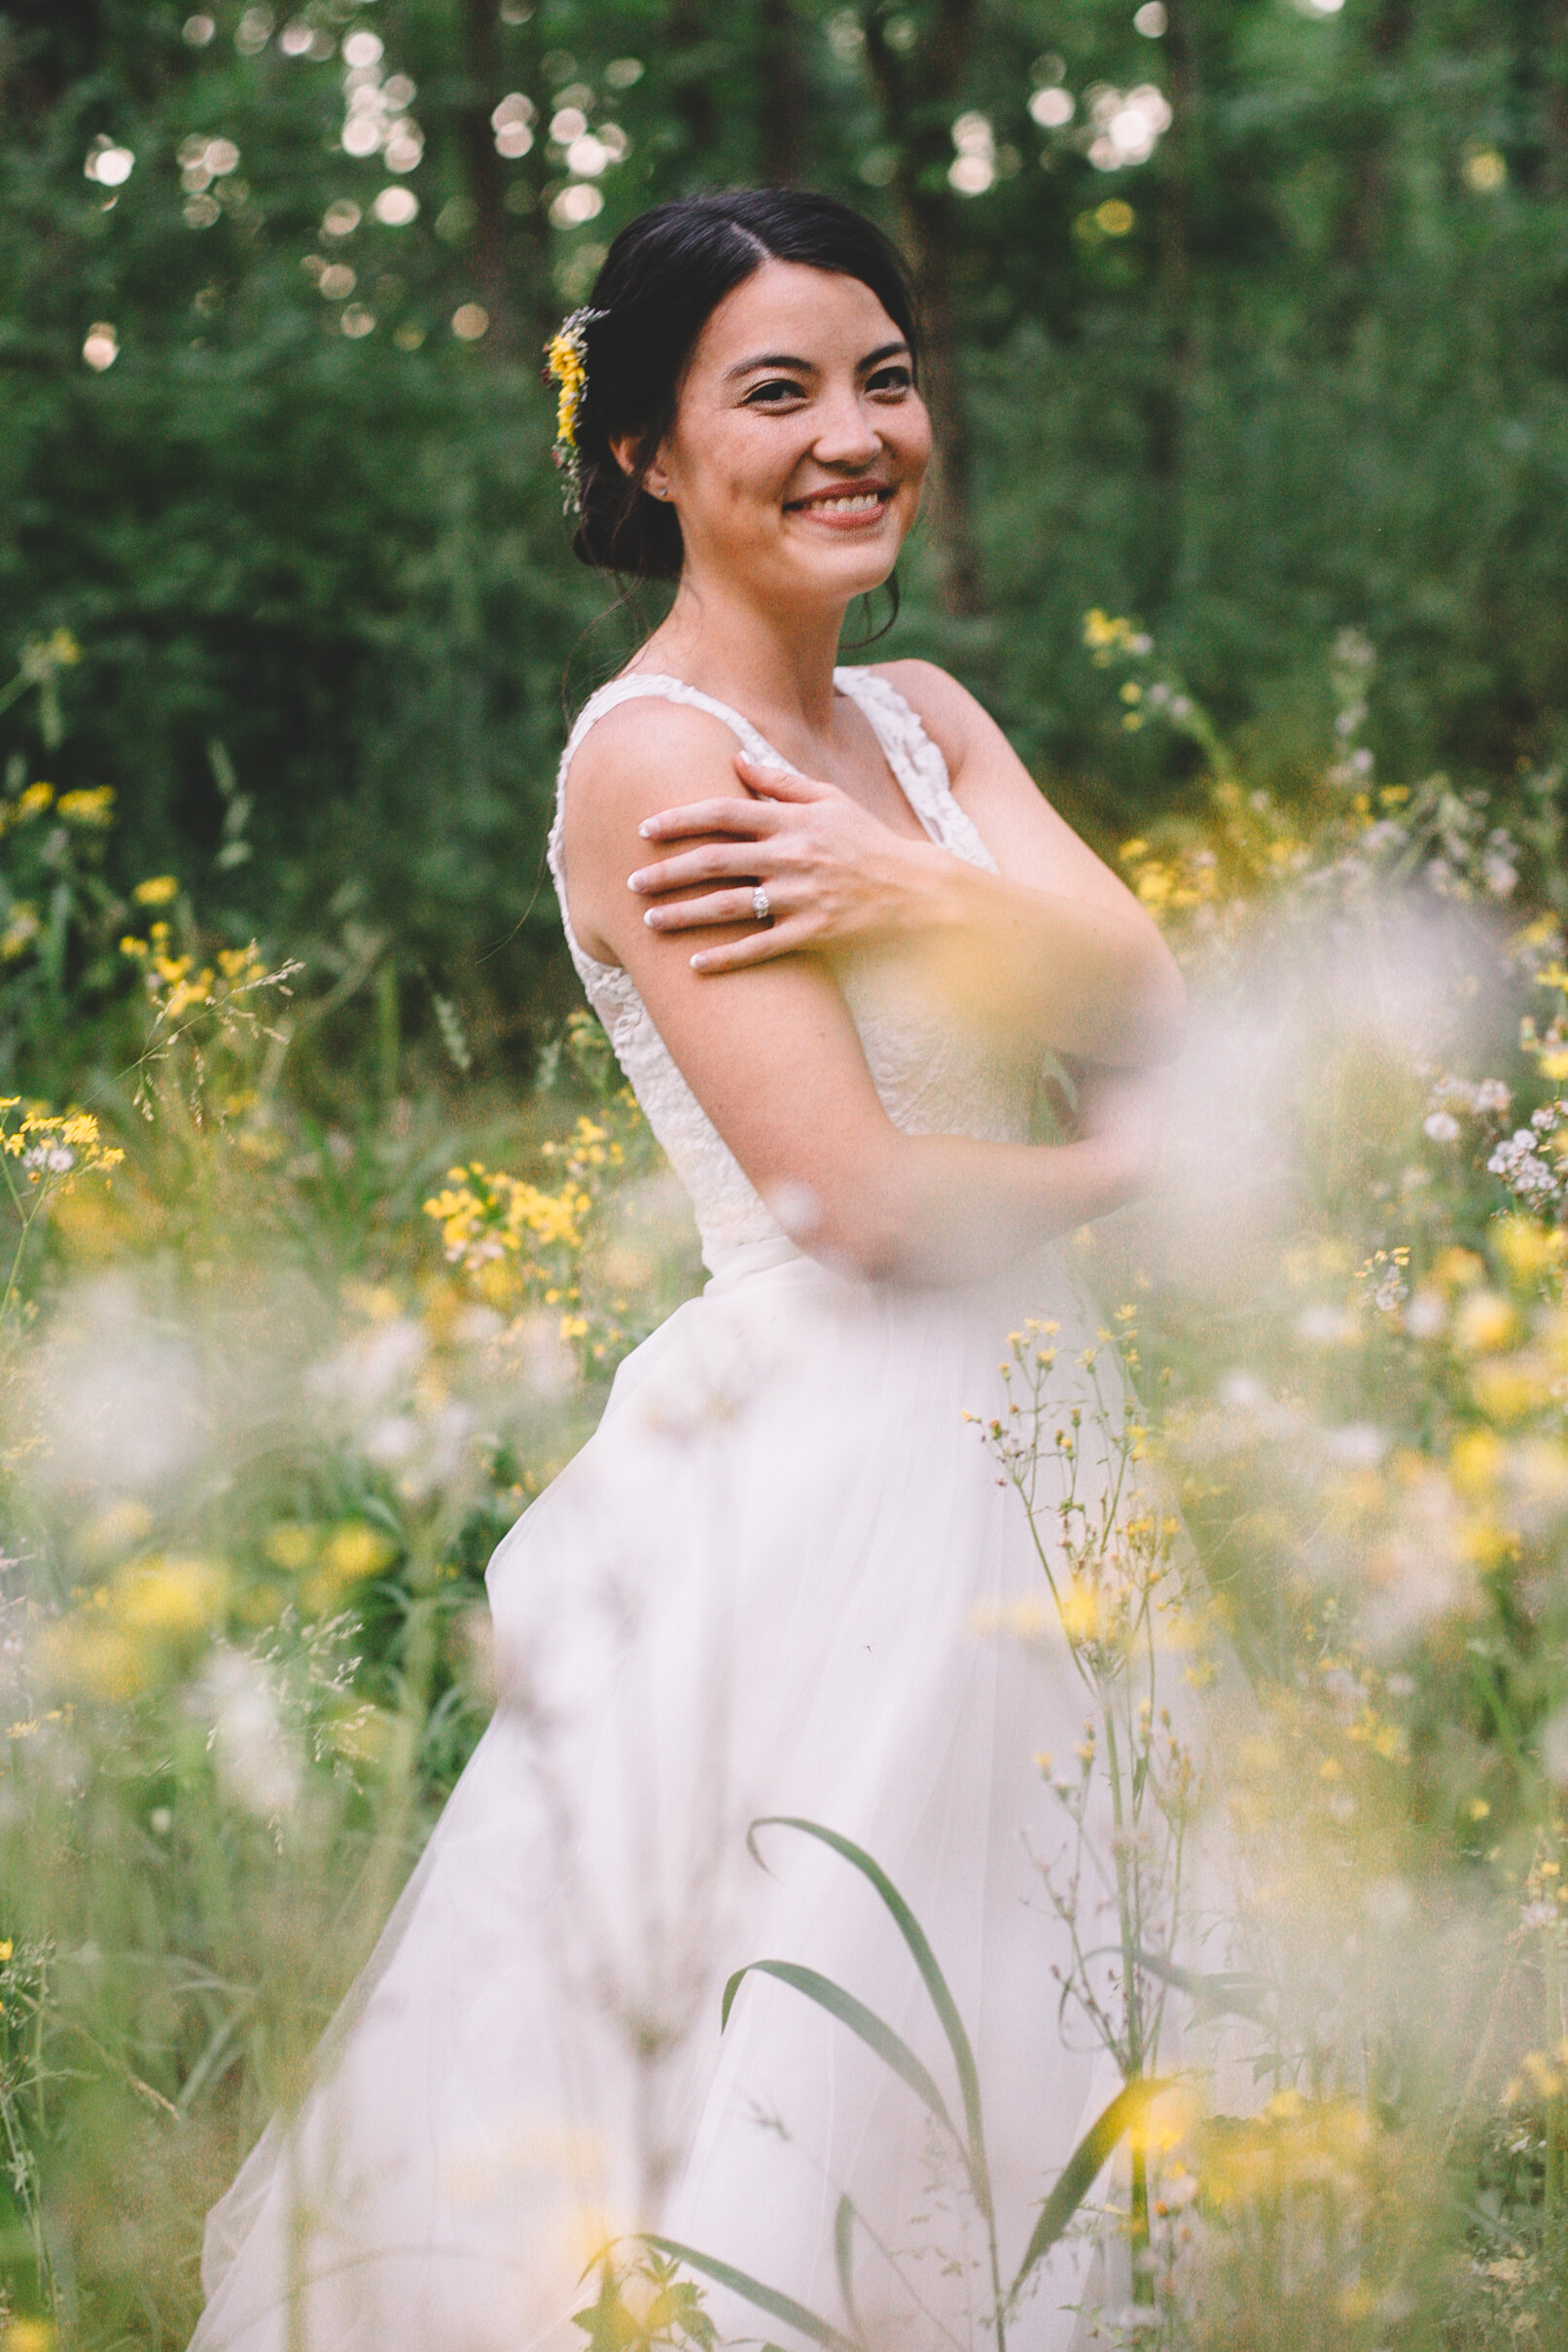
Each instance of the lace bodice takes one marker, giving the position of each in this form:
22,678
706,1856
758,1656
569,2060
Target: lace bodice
934,1077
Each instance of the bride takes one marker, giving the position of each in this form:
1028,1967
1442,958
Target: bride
837,940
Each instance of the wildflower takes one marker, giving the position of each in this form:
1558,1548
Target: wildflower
172,1595
94,808
156,891
23,927
1484,1323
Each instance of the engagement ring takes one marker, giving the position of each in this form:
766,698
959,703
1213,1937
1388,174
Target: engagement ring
760,906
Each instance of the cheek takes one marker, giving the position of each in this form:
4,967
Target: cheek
915,438
736,474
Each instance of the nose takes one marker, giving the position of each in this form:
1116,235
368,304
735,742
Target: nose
845,434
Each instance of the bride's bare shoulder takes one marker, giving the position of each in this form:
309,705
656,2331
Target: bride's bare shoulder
645,754
947,711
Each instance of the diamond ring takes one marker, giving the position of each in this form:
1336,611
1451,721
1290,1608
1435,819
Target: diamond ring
759,906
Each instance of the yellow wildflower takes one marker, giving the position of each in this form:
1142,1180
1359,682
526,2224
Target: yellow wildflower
93,808
156,890
23,927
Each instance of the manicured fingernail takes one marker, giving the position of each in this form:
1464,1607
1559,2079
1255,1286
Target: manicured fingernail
699,963
651,919
634,880
646,829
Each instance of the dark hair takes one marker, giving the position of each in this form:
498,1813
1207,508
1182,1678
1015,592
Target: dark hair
663,279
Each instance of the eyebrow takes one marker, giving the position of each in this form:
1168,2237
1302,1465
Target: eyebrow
805,367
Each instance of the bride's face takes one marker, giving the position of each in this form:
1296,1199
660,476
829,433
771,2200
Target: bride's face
800,442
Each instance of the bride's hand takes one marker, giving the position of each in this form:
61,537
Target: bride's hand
831,869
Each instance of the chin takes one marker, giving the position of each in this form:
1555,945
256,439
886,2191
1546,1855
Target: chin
835,575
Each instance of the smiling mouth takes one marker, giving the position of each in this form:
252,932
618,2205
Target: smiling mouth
868,500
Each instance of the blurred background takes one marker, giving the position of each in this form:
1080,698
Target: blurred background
1246,320
327,1217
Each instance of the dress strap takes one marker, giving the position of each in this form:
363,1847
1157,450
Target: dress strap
655,684
917,763
637,685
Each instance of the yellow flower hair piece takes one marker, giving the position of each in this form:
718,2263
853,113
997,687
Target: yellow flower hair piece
566,367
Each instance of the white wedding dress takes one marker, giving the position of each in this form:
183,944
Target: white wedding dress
757,1590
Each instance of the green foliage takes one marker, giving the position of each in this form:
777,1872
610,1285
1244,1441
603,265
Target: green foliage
1300,368
668,2309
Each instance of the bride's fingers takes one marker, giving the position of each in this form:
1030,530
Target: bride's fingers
690,914
731,814
781,783
759,946
714,862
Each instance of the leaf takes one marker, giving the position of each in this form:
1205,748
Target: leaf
936,1985
893,2051
766,2299
1234,1996
844,2255
1081,2170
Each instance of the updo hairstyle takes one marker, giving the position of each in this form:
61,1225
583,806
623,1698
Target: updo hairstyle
663,279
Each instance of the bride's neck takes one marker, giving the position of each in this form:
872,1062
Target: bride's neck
774,665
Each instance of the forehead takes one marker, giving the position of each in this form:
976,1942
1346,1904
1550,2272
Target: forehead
818,315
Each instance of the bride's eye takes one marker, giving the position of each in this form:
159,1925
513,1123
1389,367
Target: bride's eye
896,379
773,393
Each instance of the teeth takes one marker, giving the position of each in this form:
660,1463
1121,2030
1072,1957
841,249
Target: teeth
861,502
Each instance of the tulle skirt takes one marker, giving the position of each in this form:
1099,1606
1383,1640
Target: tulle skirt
763,1588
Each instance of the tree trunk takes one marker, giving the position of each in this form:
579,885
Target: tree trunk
916,88
486,184
690,81
1362,224
782,96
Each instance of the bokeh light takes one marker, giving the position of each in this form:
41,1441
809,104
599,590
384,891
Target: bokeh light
1484,169
102,347
198,31
1052,109
973,169
581,201
470,320
513,124
110,165
395,207
1128,124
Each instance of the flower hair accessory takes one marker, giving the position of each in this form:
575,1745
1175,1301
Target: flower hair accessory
566,367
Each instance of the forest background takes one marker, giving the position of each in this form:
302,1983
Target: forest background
1248,323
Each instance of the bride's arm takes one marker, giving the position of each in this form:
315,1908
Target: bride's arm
1053,944
772,1054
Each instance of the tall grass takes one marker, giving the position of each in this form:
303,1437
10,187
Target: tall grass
275,1382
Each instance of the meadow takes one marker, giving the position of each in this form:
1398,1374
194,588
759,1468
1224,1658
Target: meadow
328,1220
275,1384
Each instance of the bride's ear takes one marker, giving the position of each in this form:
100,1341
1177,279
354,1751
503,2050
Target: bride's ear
625,450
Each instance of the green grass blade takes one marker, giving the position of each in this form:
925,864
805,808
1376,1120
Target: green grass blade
844,2255
1080,2172
936,1985
862,2022
766,2299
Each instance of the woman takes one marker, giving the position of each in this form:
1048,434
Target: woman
836,936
